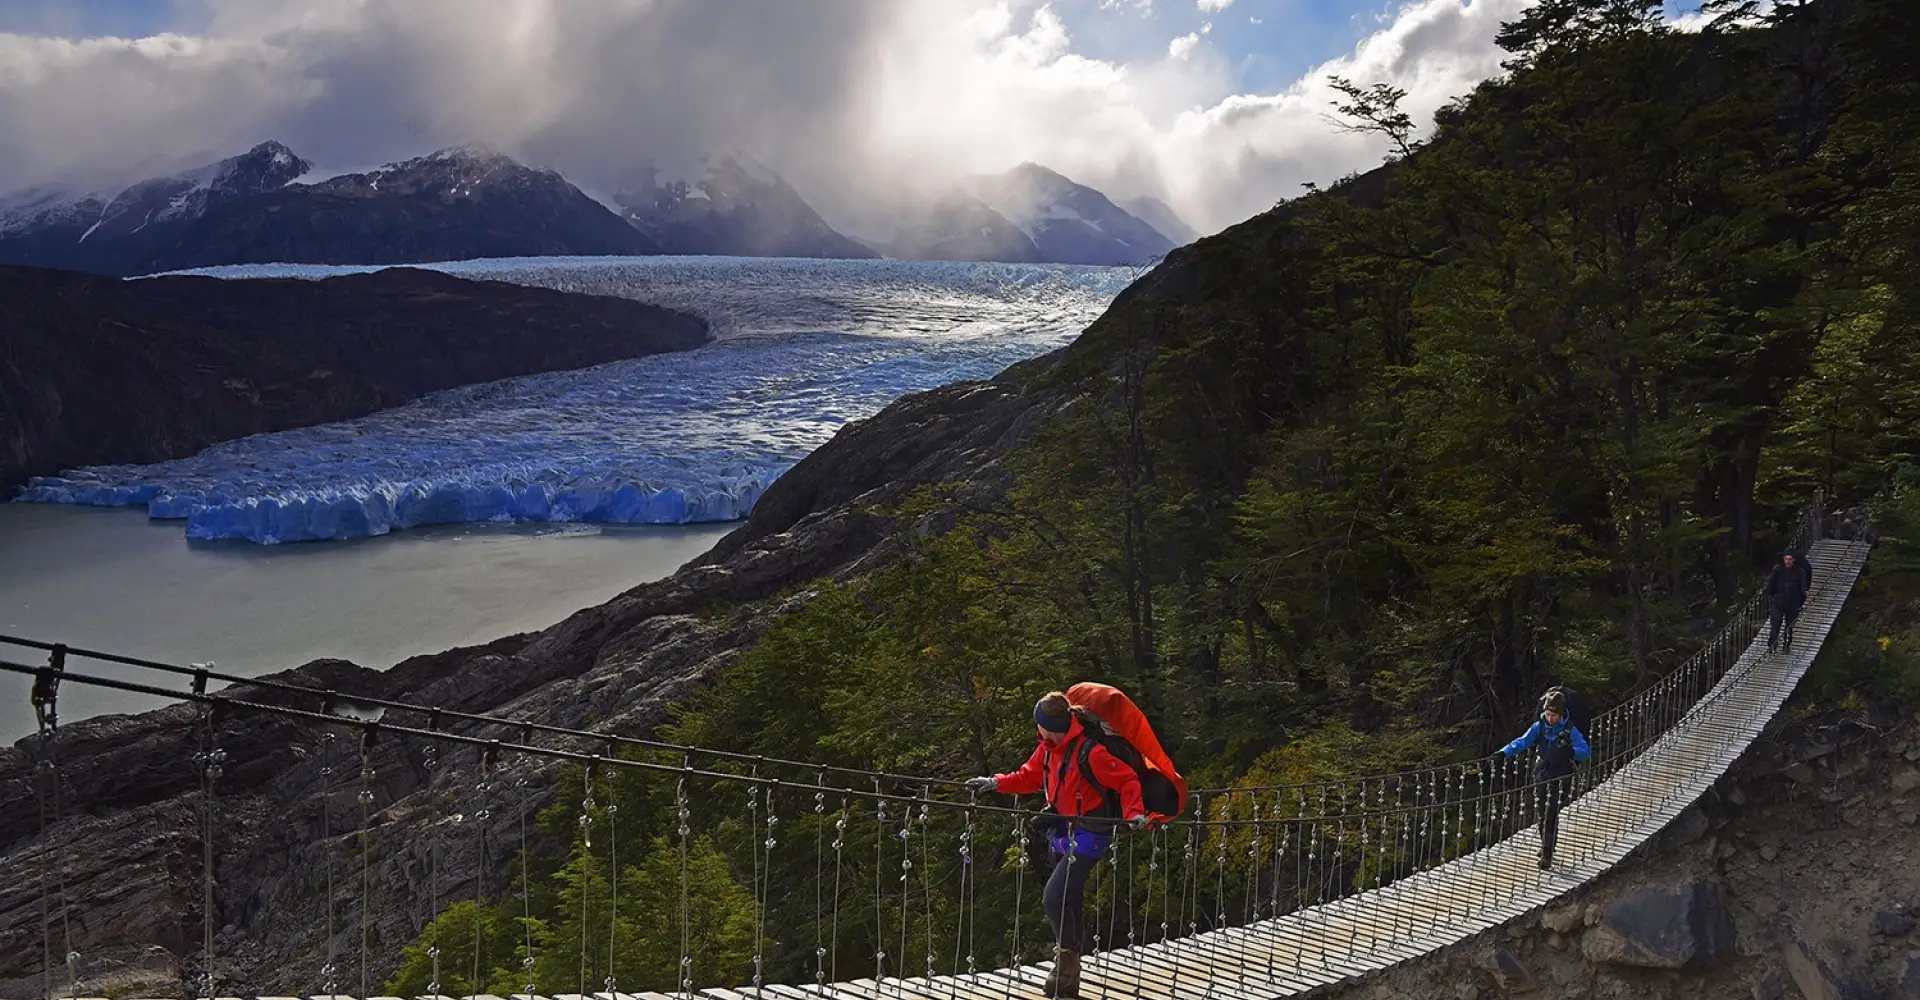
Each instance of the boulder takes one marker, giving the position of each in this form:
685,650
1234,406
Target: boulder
1663,927
1893,923
1508,972
1561,919
1689,826
1906,781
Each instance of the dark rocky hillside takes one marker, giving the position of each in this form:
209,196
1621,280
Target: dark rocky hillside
98,370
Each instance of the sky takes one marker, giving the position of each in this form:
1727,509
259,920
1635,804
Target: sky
1218,107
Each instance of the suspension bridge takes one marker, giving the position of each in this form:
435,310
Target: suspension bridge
912,887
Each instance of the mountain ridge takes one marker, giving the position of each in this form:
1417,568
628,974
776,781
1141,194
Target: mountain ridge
734,207
471,200
457,202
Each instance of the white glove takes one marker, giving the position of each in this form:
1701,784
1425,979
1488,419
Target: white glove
1138,822
982,785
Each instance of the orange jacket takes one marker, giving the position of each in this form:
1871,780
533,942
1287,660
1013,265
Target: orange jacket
1055,769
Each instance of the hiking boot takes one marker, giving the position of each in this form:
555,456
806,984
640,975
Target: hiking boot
1064,980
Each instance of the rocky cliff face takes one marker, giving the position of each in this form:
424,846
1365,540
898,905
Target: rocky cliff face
98,370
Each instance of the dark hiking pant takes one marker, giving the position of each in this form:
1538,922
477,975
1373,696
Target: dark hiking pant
1066,899
1552,794
1774,621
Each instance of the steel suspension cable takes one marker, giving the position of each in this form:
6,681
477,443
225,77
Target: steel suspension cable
527,964
481,815
211,760
326,847
684,814
366,882
430,759
839,867
613,886
926,882
906,871
586,871
819,877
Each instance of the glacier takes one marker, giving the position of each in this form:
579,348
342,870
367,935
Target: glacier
802,348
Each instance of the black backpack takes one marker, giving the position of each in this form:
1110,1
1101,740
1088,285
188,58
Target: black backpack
1156,791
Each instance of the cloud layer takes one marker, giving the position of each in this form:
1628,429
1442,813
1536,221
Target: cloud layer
855,101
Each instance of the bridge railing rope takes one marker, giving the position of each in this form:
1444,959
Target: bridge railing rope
688,868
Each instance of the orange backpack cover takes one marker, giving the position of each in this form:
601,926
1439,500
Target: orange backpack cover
1125,718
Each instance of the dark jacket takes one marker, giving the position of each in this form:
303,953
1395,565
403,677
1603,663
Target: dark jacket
1787,588
1560,745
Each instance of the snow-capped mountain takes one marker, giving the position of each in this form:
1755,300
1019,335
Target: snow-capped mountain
1070,223
48,206
457,203
1161,217
733,206
186,196
90,232
961,227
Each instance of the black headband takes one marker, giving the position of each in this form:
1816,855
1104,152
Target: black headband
1051,723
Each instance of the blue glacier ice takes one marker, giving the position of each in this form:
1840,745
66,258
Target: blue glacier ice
803,347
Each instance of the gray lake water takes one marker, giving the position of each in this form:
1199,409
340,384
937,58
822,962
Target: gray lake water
110,579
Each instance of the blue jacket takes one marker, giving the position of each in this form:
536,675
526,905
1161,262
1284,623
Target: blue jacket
1547,736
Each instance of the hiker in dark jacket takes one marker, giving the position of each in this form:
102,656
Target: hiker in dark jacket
1786,591
1089,788
1561,743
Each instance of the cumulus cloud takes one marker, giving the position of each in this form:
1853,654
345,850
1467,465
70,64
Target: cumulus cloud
855,102
1214,6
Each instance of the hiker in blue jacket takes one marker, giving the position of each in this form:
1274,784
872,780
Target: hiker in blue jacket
1560,743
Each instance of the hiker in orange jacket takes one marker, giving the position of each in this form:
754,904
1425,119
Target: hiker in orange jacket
1091,790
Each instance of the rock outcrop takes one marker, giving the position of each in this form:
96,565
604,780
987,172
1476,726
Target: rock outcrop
1663,927
98,371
